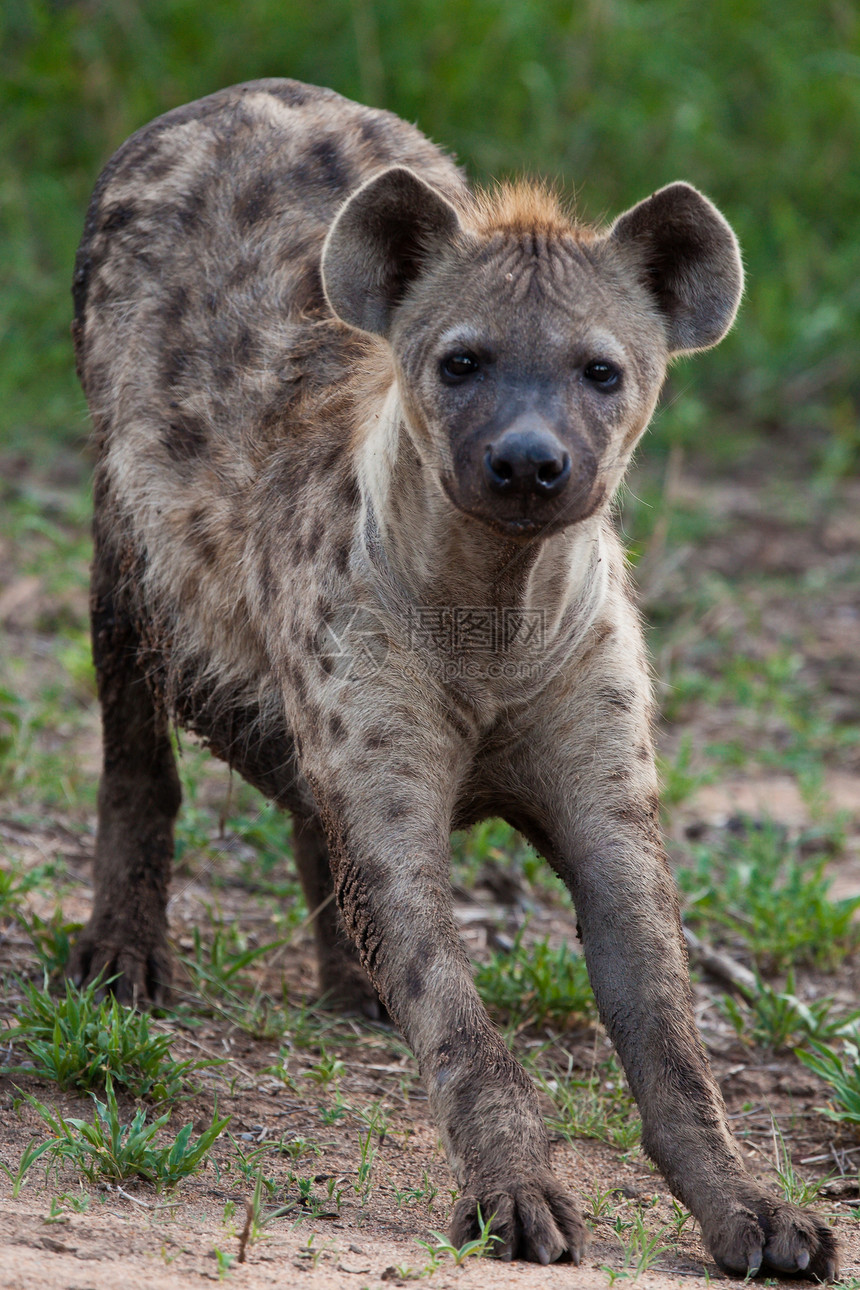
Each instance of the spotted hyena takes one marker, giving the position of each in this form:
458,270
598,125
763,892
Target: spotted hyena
358,433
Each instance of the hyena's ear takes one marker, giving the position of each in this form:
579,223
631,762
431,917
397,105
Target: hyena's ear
379,242
687,257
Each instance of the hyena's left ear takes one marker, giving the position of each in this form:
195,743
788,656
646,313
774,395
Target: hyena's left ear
379,243
686,255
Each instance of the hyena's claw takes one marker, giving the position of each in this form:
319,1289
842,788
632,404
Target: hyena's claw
534,1220
766,1235
136,977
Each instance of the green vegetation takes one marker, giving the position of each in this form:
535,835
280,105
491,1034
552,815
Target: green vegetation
641,1248
105,1148
779,1019
599,1106
478,1248
536,985
758,106
843,1076
756,886
81,1042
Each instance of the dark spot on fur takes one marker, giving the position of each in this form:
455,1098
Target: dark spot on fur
376,135
331,457
241,271
602,632
377,739
458,725
190,214
185,438
397,810
335,171
290,92
316,536
414,983
80,283
337,728
350,492
245,347
307,293
176,308
341,558
640,814
175,364
622,700
407,770
157,167
643,752
255,203
117,217
201,538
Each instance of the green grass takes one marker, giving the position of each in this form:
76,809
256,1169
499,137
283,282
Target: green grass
80,1042
598,1106
478,1248
842,1074
104,1148
641,1247
755,887
778,1019
537,985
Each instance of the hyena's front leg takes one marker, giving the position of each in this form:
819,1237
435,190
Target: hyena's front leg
343,981
600,831
388,824
125,940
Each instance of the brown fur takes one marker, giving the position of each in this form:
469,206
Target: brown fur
358,435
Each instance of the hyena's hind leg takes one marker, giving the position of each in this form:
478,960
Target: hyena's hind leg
344,984
139,796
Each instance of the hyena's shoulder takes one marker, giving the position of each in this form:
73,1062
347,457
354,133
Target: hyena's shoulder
245,156
197,285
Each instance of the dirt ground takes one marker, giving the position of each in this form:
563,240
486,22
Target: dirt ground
134,1237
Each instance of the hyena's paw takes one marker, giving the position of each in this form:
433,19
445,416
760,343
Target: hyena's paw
536,1220
765,1235
142,972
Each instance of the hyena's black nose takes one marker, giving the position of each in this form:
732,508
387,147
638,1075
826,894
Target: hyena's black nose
526,463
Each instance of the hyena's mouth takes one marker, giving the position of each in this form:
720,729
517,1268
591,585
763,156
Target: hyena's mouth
511,519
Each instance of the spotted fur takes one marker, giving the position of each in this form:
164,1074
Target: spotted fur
307,552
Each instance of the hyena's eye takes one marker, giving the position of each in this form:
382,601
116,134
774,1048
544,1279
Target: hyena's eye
456,366
602,373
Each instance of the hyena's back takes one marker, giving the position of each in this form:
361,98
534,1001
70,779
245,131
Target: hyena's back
199,267
218,381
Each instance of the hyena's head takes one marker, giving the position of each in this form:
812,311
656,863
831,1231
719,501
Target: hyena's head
529,351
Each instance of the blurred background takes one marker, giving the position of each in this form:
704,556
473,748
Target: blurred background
757,102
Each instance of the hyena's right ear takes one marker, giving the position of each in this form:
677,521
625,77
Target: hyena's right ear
379,242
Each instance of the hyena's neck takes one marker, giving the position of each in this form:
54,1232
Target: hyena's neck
436,556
